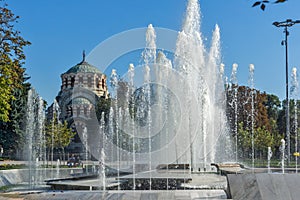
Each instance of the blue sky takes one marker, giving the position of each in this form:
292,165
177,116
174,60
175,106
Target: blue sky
60,30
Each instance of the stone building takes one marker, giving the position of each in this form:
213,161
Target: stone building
82,86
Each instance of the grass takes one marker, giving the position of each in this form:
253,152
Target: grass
275,163
12,166
6,188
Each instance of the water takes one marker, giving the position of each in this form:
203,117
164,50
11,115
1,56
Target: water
234,105
176,113
252,94
130,120
55,119
149,56
199,69
57,168
282,151
117,116
294,95
35,133
86,148
102,169
269,159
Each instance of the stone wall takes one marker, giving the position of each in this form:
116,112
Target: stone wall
19,176
263,186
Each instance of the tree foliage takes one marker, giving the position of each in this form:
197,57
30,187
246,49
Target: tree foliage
12,75
266,115
58,135
13,85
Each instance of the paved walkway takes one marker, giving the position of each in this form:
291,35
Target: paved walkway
121,195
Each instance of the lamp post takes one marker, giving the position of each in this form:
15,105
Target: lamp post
287,23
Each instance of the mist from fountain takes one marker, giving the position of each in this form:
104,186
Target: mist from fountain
86,148
35,133
252,94
294,95
282,151
57,168
55,119
180,107
269,158
201,71
234,106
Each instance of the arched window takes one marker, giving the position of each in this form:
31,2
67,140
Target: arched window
78,111
89,81
85,111
103,82
72,81
97,83
80,80
65,82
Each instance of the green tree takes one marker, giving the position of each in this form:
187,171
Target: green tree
103,105
12,134
244,141
58,135
273,106
262,140
265,129
13,85
11,58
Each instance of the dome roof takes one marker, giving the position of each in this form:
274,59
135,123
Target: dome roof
83,67
80,101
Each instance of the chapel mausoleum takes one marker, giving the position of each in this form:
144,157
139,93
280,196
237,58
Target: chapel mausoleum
81,86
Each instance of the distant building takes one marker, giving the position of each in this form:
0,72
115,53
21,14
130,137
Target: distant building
82,85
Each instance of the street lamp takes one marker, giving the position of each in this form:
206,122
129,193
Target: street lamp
286,24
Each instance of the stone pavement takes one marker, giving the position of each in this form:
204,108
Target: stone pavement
120,195
264,186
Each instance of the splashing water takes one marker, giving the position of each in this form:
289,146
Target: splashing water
282,151
234,105
179,111
36,138
251,83
294,96
269,158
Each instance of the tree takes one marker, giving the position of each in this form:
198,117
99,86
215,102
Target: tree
58,135
12,134
262,4
103,105
273,106
262,140
265,114
11,58
13,85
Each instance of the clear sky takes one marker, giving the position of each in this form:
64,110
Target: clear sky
60,30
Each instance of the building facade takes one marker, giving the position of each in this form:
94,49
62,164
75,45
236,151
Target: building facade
81,87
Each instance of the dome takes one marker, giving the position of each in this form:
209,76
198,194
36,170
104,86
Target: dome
83,67
80,101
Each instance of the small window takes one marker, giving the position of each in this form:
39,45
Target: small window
103,82
72,81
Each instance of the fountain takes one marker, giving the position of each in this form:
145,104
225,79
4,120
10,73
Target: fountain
172,116
282,151
36,138
170,130
57,168
269,159
252,93
86,148
234,106
294,96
